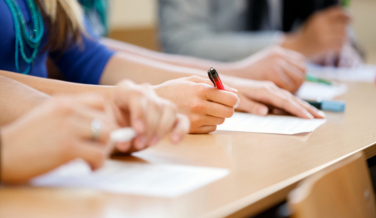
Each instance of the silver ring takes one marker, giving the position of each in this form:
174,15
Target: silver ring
96,129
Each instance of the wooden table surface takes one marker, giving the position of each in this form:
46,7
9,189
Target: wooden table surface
264,168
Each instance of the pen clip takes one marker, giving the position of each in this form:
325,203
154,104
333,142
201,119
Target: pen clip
211,79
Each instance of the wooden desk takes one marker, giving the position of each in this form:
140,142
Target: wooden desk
264,168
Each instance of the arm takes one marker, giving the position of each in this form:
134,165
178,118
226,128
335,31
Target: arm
56,87
186,28
283,67
16,99
179,60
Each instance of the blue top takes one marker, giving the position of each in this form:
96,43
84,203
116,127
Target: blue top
82,63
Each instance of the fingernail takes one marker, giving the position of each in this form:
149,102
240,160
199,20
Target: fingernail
263,111
321,113
237,104
138,125
141,142
309,115
175,138
122,146
154,140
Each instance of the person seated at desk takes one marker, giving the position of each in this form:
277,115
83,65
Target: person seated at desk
232,30
69,42
44,132
283,67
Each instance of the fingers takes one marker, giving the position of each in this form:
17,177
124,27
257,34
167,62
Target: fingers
222,97
247,105
181,128
92,153
295,75
153,116
286,69
206,129
282,79
137,109
272,95
166,123
123,146
312,110
218,110
206,120
289,103
82,121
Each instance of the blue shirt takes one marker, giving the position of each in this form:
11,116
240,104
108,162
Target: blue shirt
81,63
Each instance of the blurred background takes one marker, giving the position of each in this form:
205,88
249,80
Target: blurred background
136,22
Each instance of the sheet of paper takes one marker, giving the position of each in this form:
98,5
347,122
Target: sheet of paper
274,124
316,91
366,73
158,180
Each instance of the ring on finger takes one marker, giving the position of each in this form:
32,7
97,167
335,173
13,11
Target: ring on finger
96,129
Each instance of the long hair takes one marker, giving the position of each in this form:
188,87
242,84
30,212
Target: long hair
64,20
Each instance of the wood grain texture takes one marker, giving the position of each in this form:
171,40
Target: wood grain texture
343,190
264,168
145,37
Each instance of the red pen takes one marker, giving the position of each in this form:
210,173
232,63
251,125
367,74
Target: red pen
214,77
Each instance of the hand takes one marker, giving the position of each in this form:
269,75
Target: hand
325,31
196,97
285,68
150,116
256,97
54,133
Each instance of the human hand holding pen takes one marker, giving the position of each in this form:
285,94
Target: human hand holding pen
205,105
149,115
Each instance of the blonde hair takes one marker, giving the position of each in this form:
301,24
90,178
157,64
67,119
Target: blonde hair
65,20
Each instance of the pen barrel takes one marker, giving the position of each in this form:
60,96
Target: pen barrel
218,84
214,77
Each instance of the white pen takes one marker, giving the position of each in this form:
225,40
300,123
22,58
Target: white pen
123,135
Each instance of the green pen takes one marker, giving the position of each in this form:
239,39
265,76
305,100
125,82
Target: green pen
318,80
346,3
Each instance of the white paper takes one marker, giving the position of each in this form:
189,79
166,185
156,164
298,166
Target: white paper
158,180
274,124
365,73
316,91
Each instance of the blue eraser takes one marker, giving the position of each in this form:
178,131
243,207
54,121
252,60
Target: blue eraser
337,106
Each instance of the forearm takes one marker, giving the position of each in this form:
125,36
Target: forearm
16,99
143,70
55,87
179,60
